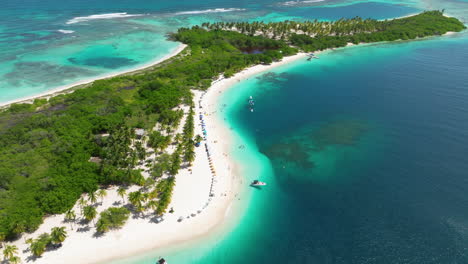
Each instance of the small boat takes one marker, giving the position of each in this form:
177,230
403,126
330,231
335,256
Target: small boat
257,183
161,261
313,56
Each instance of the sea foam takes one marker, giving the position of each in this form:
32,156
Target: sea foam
100,16
64,31
215,10
295,3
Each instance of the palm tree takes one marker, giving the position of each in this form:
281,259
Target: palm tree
190,155
122,192
153,194
148,183
102,193
89,213
37,247
45,238
198,139
135,198
102,226
92,197
70,216
177,139
82,202
9,251
29,241
15,260
58,235
153,205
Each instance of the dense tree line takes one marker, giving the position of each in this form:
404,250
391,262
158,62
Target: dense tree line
418,26
362,30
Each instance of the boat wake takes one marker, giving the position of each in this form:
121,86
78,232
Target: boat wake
215,10
64,31
100,16
296,3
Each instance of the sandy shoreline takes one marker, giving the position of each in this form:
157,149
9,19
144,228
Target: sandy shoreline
71,87
190,196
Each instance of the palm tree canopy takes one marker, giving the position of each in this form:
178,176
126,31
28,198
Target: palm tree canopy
121,191
9,251
135,198
89,213
82,202
58,234
102,193
15,260
70,215
37,247
153,204
92,197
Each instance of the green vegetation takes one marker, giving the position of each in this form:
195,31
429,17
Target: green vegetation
158,142
39,246
165,188
89,213
121,191
317,35
112,218
9,252
70,217
58,235
51,152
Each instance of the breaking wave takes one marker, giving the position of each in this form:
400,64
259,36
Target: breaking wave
295,3
64,31
215,10
100,16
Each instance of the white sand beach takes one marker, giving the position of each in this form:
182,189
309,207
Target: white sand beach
201,213
70,87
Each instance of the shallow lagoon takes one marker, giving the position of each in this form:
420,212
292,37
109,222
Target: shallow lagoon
48,44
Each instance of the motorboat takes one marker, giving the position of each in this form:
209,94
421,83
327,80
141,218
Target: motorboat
257,183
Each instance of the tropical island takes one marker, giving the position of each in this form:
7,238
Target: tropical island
133,134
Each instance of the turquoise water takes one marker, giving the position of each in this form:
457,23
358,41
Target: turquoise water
49,44
364,150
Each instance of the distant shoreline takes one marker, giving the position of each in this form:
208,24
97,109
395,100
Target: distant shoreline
83,83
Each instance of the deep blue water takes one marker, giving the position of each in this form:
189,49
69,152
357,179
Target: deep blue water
368,148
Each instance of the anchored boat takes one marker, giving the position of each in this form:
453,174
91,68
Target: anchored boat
161,261
257,183
251,103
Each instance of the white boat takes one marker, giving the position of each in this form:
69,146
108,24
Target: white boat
257,183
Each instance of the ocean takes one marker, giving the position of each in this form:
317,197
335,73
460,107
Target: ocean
364,150
49,44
